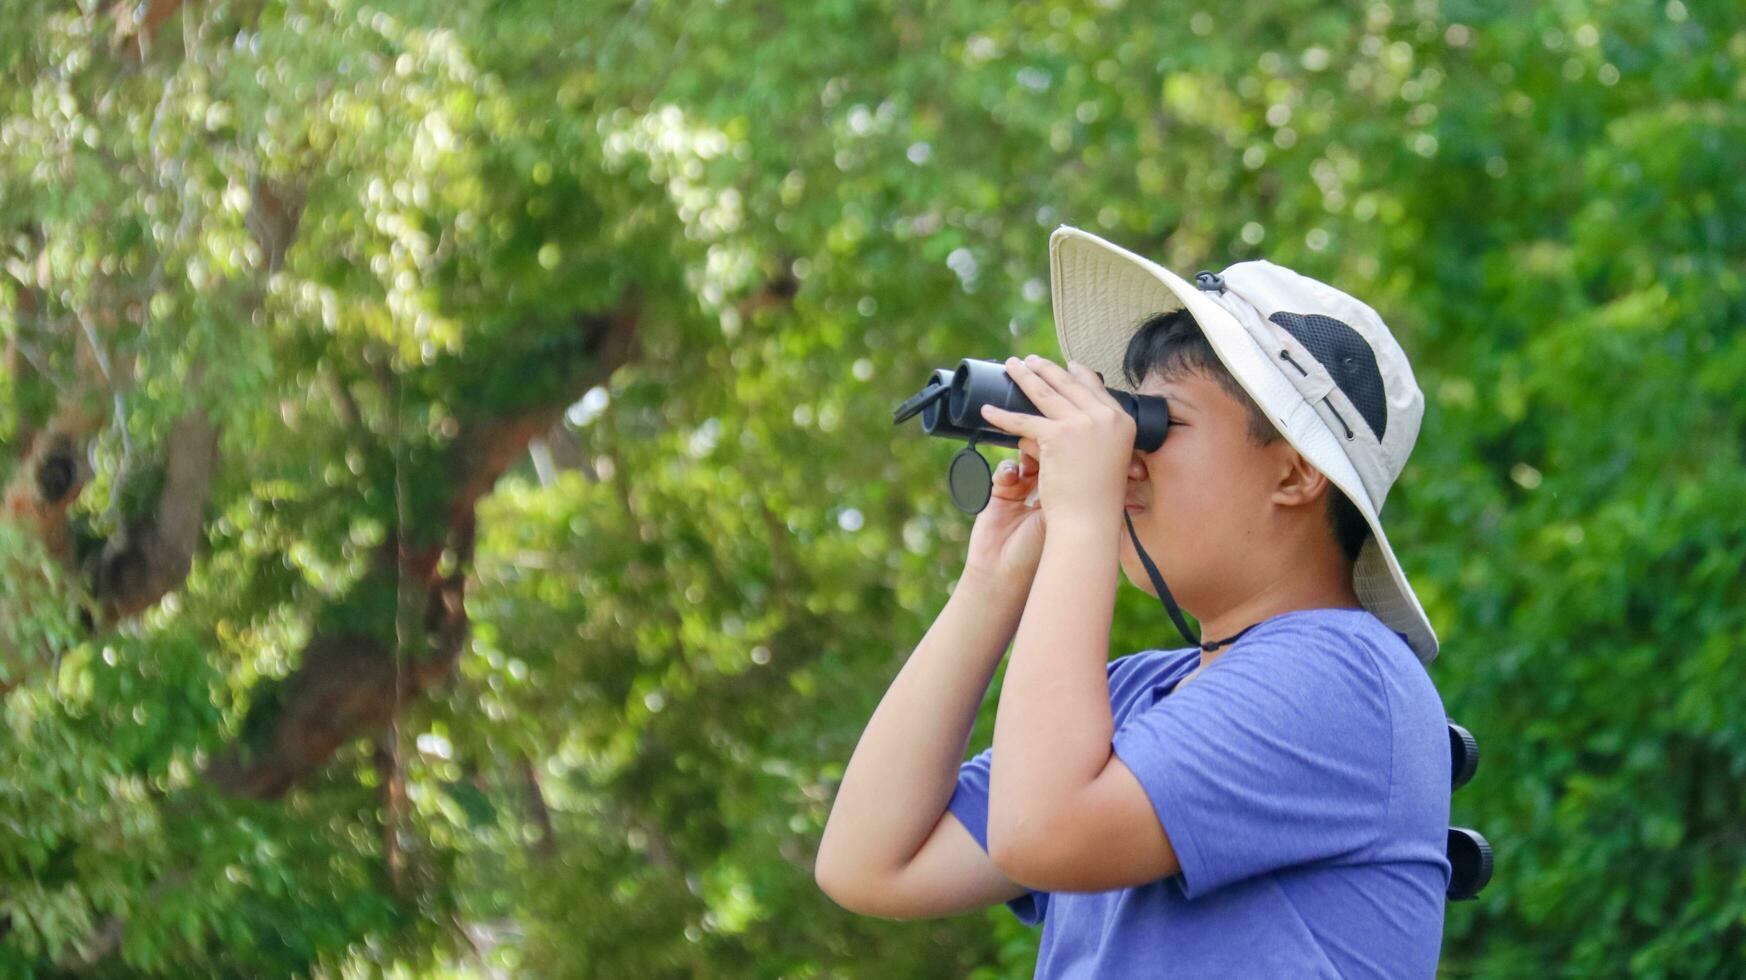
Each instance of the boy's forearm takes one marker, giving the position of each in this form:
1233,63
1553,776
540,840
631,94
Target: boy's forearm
905,767
1053,728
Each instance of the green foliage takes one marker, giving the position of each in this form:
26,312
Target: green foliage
678,639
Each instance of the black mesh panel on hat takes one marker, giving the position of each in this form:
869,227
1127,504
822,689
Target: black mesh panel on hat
1347,358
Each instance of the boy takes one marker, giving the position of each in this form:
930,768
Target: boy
1271,802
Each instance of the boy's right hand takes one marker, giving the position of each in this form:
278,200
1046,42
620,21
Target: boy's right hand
1006,542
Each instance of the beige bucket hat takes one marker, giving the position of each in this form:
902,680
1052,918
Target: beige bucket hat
1320,363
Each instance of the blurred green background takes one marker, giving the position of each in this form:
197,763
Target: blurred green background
454,526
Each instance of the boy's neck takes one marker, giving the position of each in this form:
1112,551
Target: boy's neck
1281,596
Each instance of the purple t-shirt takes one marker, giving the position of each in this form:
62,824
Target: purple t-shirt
1303,780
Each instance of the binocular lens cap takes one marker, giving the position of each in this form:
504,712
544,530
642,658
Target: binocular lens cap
970,480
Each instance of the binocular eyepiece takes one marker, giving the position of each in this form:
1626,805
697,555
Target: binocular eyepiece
950,406
1470,854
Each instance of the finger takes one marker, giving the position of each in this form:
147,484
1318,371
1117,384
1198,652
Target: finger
1093,383
1018,423
1052,403
1008,484
1063,382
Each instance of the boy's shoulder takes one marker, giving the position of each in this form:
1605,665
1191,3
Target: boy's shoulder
1341,640
1332,628
1340,633
1332,656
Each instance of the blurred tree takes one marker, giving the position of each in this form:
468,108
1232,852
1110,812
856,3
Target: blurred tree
453,525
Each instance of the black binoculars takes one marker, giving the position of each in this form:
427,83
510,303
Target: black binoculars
1470,857
950,406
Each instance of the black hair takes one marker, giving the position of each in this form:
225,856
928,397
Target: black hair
1171,345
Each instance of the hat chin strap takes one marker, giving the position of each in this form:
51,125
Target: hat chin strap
1163,590
1169,600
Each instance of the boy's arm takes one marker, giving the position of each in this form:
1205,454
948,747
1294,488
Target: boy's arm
889,847
1065,814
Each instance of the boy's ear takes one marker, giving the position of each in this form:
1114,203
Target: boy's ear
1299,483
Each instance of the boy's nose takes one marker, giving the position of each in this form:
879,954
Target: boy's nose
1136,470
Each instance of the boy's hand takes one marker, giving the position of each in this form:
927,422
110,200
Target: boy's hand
1006,543
1083,442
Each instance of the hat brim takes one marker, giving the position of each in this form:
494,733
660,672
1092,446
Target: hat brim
1102,293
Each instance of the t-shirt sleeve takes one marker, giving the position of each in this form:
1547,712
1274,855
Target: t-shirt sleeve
1277,755
970,804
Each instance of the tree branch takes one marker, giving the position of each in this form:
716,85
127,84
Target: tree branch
144,30
147,560
351,682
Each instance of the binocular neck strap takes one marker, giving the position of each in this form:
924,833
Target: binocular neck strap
1163,590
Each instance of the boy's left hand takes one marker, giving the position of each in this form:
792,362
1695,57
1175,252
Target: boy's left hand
1083,442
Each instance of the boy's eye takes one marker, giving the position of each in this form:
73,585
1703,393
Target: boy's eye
1175,421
